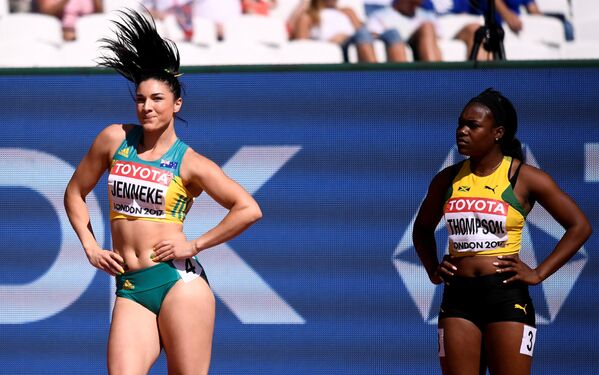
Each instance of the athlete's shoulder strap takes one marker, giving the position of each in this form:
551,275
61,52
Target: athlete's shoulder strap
514,178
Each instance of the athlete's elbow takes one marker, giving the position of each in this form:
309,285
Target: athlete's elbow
586,230
254,213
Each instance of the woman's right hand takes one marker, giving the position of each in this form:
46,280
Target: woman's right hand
443,271
107,261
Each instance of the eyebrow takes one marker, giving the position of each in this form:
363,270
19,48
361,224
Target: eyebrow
152,94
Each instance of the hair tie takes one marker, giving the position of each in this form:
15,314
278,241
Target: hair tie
176,75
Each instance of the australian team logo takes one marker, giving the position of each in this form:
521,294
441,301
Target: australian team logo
552,293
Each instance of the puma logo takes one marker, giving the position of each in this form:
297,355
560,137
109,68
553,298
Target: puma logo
519,306
491,188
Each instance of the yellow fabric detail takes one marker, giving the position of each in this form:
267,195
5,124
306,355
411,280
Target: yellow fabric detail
472,189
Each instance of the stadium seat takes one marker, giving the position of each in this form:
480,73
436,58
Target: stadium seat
34,54
554,7
587,29
255,29
193,55
583,10
242,54
26,27
580,50
310,52
111,5
204,31
452,50
539,29
79,54
3,8
92,27
450,24
284,9
528,50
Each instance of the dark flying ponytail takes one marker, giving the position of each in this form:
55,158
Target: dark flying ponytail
138,52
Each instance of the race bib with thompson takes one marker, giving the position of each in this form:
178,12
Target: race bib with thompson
476,224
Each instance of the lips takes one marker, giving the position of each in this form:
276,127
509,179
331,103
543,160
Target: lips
461,142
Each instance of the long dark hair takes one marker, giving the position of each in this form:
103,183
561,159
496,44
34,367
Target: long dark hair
504,114
139,53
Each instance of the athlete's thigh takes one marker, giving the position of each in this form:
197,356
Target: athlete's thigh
509,348
460,343
186,323
134,342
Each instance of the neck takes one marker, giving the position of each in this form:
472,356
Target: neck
157,141
485,166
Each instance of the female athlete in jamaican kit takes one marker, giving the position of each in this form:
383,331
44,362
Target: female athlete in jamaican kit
163,298
486,318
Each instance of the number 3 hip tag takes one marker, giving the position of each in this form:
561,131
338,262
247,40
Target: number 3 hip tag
529,337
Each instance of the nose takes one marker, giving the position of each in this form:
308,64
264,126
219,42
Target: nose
146,105
461,130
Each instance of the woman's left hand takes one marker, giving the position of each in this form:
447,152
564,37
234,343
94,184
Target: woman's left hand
173,249
513,264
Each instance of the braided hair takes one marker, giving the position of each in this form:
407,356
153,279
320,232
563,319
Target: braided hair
504,114
138,52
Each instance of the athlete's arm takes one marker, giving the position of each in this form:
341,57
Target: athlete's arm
84,179
541,188
200,174
423,234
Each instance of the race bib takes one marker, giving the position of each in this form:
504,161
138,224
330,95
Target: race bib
189,269
529,336
138,190
476,224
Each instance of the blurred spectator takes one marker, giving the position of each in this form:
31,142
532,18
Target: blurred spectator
69,11
20,6
371,6
293,19
182,10
219,11
471,23
415,24
324,20
261,7
508,11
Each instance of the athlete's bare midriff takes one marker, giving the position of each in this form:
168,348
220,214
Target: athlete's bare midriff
134,240
478,265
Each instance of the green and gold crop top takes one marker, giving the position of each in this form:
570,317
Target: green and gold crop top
147,190
482,214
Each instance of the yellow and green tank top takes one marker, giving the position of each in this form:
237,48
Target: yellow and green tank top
147,190
482,214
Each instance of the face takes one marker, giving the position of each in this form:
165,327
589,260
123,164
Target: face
476,132
156,104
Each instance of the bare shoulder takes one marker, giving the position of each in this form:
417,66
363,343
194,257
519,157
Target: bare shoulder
114,133
192,157
108,140
531,174
444,178
195,165
536,181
